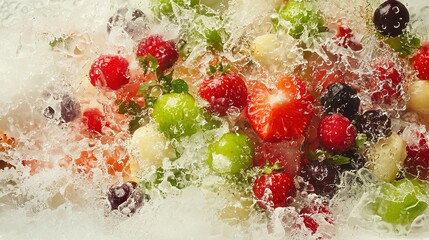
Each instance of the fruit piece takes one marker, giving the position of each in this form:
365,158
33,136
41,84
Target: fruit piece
276,51
386,156
287,154
314,216
109,71
420,62
165,7
163,51
356,161
230,154
388,84
418,92
336,133
323,176
282,113
85,163
374,124
132,21
274,190
401,201
70,109
177,114
391,18
345,38
405,44
417,161
340,98
149,147
302,18
126,197
224,92
94,120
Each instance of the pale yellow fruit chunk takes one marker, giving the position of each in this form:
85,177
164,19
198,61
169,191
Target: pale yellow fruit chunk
149,147
276,52
386,157
418,91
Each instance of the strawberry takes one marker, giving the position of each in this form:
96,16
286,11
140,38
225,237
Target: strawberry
164,52
337,133
94,120
282,113
388,84
417,161
109,71
274,190
345,38
224,92
420,62
286,154
313,216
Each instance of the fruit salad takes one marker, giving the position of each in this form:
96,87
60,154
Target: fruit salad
217,119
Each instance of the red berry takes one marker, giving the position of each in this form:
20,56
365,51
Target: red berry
345,38
388,84
420,62
417,161
223,92
109,71
313,216
164,51
94,120
336,133
286,154
282,113
274,190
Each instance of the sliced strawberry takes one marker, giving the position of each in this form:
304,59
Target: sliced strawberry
282,113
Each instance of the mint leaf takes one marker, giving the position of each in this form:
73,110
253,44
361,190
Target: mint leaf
179,86
360,140
338,160
149,63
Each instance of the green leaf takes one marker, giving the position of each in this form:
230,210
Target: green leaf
129,108
179,86
360,140
148,63
338,160
134,124
146,87
404,44
212,70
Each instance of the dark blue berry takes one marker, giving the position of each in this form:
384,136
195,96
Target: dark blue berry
340,98
391,18
374,124
323,176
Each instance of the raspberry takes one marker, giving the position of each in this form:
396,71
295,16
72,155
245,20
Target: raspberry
417,161
337,133
109,71
224,92
94,120
420,62
164,51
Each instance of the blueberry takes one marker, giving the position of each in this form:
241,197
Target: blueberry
70,109
391,18
340,98
323,176
126,197
374,124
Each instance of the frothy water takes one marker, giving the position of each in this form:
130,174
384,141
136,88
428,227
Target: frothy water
54,203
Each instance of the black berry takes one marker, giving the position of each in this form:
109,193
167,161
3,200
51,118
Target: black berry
340,98
126,197
323,176
356,161
132,22
391,18
374,124
70,109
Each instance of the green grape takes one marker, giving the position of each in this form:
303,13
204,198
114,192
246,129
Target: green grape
164,8
177,114
301,16
230,154
401,202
